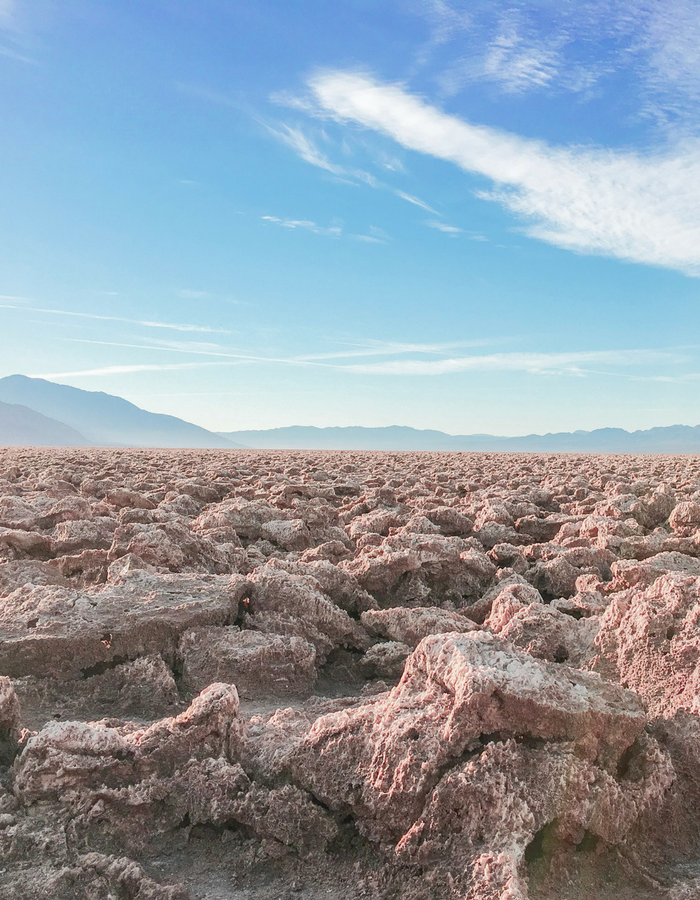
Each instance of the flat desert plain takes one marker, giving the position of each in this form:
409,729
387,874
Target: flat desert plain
270,675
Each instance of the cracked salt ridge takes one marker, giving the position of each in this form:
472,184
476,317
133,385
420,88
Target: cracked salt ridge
348,564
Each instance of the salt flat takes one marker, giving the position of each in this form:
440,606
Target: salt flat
263,674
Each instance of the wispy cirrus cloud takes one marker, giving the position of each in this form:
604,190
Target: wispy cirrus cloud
309,151
375,236
303,146
416,201
573,47
14,42
644,364
570,363
123,370
172,326
188,294
305,225
451,230
642,208
397,348
516,61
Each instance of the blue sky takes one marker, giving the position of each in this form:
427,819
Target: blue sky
476,217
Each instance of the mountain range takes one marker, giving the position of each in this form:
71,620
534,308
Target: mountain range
36,412
22,426
672,439
98,419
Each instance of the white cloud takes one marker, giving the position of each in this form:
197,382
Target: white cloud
446,23
636,207
305,148
573,363
518,62
518,65
452,230
7,13
123,370
394,348
193,295
670,41
20,57
172,326
306,224
416,201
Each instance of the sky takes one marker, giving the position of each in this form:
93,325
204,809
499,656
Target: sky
479,217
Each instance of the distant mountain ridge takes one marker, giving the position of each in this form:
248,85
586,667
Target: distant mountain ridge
24,427
103,419
670,439
36,412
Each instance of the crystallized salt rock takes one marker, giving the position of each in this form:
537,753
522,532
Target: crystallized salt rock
16,513
9,721
291,534
72,536
385,660
335,583
484,814
66,757
174,546
382,759
125,498
556,577
539,529
628,572
61,632
258,664
17,573
509,587
685,518
545,632
16,543
422,569
245,517
650,641
280,602
411,625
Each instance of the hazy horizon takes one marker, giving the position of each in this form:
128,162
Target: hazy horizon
466,218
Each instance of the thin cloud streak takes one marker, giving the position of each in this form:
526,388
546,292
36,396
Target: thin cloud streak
305,148
638,208
416,201
137,367
568,363
395,349
219,354
148,324
306,224
452,230
533,363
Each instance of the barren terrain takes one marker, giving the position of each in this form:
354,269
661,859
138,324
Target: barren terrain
267,675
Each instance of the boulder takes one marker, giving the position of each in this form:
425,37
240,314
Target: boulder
62,632
411,625
650,640
381,760
258,664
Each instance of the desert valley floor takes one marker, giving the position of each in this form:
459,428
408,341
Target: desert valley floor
268,675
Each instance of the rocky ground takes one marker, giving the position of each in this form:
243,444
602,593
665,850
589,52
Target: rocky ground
272,675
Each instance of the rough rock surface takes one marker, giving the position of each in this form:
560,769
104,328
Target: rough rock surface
264,675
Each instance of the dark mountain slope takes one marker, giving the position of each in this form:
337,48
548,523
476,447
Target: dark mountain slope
106,420
23,427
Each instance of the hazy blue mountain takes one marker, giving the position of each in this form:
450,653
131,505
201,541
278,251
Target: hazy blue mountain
299,437
672,439
23,427
106,420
